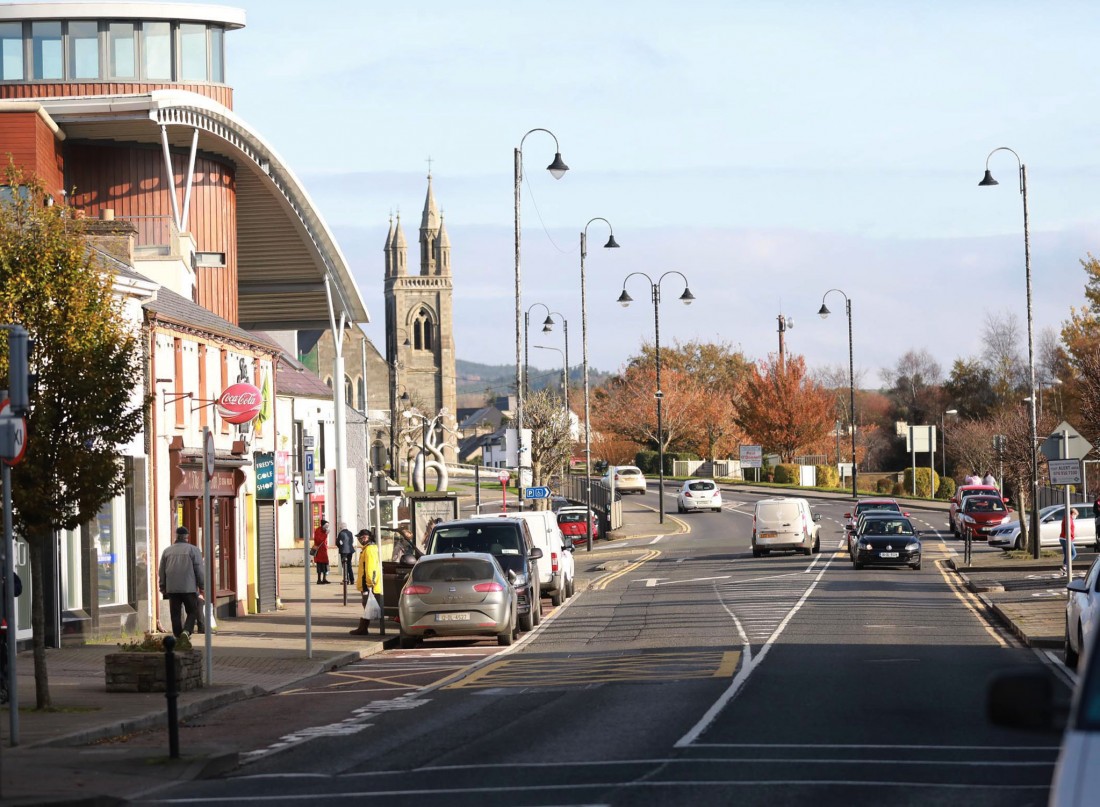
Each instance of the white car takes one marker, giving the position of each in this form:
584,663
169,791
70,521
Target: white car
1007,536
1082,613
699,494
626,478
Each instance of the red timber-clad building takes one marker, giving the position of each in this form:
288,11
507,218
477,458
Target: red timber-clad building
123,111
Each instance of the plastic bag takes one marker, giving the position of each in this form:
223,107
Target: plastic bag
372,610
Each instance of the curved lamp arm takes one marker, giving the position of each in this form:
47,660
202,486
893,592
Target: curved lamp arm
611,242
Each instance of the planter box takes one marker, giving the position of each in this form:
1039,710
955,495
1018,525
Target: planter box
146,672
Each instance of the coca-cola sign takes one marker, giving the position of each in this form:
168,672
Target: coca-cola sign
240,403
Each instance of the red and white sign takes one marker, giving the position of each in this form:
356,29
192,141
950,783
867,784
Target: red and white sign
504,476
240,403
20,434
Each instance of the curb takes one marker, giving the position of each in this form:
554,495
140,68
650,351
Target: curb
1020,633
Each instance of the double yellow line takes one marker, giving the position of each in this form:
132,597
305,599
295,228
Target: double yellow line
604,582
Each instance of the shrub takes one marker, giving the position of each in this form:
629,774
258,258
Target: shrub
897,489
646,460
884,485
827,476
786,474
927,480
946,489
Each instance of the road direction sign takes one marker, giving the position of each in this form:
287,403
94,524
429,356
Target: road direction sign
536,493
1078,445
1064,472
308,475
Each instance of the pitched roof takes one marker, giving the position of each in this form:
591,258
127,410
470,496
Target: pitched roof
167,306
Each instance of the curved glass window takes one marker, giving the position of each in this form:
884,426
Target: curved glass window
217,64
84,49
46,52
122,50
11,51
157,47
192,52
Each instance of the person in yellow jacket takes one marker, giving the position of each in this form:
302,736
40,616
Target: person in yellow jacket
369,580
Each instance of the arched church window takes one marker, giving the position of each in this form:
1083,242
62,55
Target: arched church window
349,398
422,331
361,389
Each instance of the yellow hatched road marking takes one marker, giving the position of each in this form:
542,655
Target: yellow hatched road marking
581,670
604,582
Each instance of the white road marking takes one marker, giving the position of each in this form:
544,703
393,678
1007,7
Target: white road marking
656,539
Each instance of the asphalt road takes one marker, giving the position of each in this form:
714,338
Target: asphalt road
694,673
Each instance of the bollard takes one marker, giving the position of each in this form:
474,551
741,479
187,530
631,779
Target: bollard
171,694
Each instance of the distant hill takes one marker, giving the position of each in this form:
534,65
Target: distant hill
473,377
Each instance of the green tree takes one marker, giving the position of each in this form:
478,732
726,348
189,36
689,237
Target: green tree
969,389
85,397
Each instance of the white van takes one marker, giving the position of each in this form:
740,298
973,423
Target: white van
784,523
556,565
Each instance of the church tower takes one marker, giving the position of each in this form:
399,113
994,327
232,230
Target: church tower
420,317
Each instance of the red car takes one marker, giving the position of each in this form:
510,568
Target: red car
981,515
571,522
960,494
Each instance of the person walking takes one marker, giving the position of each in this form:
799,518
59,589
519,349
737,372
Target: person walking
1066,539
320,553
369,581
181,578
345,545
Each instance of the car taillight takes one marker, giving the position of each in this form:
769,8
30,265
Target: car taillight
553,561
687,493
485,588
411,589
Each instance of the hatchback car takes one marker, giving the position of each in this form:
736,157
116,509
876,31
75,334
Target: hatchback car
959,497
888,542
626,478
1082,614
460,594
862,526
1008,536
699,494
571,522
980,515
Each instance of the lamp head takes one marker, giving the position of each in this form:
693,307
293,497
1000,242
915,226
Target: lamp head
405,397
823,312
611,243
687,298
557,168
952,412
548,324
988,180
625,299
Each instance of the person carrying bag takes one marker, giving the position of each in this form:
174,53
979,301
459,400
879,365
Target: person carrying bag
369,582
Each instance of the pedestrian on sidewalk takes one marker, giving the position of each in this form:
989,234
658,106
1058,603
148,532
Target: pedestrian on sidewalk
345,545
320,553
1066,539
181,580
369,580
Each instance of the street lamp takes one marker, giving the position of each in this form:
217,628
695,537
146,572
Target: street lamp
686,298
611,244
785,324
824,312
557,170
547,327
943,433
988,180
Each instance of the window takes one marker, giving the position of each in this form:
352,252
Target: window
122,50
109,540
157,48
84,49
46,50
217,52
11,51
422,331
192,52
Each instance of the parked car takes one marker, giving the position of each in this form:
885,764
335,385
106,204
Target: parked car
699,494
1082,614
866,505
571,522
980,515
465,594
960,495
558,502
509,541
1009,536
784,523
556,571
888,542
626,478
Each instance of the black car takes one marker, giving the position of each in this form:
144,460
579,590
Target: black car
887,541
509,541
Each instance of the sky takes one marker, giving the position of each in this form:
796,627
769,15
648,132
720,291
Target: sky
770,150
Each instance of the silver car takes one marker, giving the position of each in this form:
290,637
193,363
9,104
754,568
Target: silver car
457,594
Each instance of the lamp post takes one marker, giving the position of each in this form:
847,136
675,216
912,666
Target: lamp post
824,312
611,244
557,170
943,433
564,373
686,298
547,327
987,181
785,324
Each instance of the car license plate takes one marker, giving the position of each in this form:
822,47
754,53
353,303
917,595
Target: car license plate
769,534
463,617
888,554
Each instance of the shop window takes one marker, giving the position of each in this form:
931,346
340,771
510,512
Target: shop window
122,50
11,51
84,49
109,540
47,56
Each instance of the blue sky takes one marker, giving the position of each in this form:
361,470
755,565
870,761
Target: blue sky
768,150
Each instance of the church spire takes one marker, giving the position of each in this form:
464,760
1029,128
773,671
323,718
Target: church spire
388,249
430,219
400,248
429,232
443,249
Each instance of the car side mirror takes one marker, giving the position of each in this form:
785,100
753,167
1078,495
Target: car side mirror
906,515
1024,700
847,515
817,516
512,576
536,553
1077,585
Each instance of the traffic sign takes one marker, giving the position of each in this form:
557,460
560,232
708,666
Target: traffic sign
536,493
1064,472
1078,445
308,474
503,477
208,453
13,438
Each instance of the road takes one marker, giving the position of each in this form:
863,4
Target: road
693,674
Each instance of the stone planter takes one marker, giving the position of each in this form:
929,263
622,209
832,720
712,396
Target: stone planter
146,672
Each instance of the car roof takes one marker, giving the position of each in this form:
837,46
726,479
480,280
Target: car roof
575,509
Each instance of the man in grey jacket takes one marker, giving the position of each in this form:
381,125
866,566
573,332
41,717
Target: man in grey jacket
181,579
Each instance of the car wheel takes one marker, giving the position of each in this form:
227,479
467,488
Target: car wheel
817,544
555,597
506,636
856,564
915,566
536,607
808,550
570,590
1072,656
718,509
408,642
755,552
526,621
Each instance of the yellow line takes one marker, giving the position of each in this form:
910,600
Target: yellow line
729,664
967,599
604,582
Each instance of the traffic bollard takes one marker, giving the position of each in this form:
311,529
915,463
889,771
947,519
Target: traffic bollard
171,694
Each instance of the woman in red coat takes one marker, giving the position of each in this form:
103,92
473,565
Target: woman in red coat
320,553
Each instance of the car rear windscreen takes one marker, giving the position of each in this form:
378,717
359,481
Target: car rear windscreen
452,570
494,539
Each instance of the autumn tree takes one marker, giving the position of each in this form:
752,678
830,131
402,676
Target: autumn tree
551,442
1081,332
1020,458
784,411
85,399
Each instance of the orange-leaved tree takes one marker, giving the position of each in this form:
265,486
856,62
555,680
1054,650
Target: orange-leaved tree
784,410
